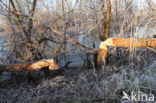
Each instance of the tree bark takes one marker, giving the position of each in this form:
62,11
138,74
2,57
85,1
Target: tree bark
31,66
130,42
122,42
30,25
106,19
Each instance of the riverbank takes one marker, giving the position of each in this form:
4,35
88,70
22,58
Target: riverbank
79,85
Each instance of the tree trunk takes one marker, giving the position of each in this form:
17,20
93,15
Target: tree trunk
31,66
105,28
106,19
122,42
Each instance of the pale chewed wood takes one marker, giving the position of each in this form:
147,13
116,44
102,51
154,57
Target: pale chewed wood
123,42
31,66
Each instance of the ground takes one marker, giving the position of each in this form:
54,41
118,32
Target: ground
77,85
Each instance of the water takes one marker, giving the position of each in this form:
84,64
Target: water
78,57
143,32
74,55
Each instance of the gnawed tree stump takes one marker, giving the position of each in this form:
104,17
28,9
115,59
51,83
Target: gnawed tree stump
122,42
102,53
31,66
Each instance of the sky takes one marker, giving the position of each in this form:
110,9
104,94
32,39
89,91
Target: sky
139,3
142,3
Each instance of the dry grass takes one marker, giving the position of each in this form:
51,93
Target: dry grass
135,71
80,86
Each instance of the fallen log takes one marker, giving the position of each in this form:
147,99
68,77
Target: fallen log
43,63
130,42
31,66
122,42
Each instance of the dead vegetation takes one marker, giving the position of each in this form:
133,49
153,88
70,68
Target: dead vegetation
89,86
70,31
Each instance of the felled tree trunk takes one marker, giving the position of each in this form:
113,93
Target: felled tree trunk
122,42
130,42
31,66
